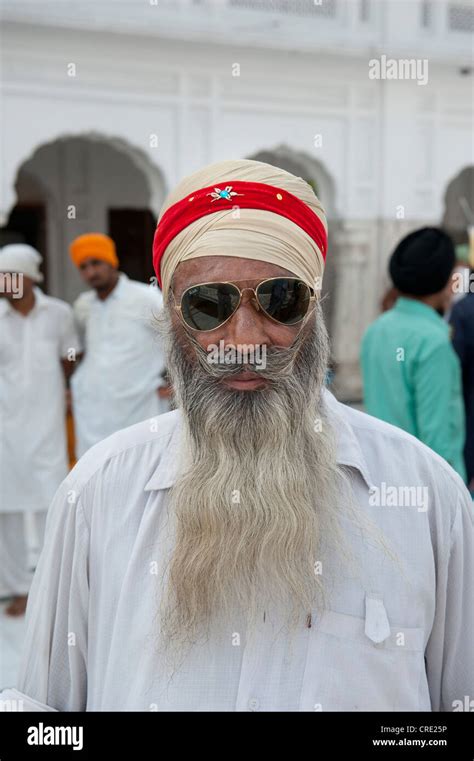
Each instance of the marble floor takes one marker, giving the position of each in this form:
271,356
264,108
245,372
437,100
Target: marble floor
12,632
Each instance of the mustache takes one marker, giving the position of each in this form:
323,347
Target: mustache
279,361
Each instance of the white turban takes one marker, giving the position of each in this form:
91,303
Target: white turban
251,233
19,257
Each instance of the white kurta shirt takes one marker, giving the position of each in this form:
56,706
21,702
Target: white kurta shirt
33,452
108,529
116,383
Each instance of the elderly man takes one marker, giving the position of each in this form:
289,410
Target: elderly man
117,382
38,347
263,547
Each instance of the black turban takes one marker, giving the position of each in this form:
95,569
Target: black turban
422,262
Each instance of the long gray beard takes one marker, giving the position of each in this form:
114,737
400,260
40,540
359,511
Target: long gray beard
259,489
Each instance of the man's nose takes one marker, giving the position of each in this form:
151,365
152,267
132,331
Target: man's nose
248,324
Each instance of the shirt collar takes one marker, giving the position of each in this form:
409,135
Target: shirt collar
117,292
40,302
349,451
166,471
413,306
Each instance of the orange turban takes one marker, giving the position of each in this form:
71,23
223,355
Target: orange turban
94,246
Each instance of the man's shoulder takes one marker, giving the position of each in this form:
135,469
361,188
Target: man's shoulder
124,449
83,302
377,325
58,306
85,297
387,327
464,308
406,325
144,290
54,303
393,455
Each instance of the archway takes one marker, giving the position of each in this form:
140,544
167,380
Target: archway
83,183
307,167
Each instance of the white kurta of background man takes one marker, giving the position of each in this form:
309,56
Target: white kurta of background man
33,448
116,383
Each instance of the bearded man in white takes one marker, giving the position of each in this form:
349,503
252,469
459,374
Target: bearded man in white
236,554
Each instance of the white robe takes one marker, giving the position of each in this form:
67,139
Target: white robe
33,449
394,637
116,383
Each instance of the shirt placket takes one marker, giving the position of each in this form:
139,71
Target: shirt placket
248,697
28,348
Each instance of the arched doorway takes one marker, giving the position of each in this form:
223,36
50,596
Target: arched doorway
303,165
84,183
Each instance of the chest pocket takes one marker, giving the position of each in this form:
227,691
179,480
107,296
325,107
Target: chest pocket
356,664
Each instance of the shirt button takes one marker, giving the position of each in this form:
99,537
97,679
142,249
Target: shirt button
254,705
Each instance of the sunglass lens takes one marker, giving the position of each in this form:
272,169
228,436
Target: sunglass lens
285,299
205,307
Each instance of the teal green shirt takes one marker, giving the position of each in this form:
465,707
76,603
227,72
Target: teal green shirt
412,378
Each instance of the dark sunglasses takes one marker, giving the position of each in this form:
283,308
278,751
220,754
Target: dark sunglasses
207,306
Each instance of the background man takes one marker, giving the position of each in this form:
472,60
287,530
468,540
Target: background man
38,347
411,373
117,382
462,323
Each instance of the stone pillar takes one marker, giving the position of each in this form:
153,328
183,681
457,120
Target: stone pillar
355,287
